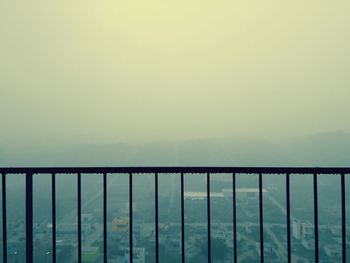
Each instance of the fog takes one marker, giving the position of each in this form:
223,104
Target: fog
78,72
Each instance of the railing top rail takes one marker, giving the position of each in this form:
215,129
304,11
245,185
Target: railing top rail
167,169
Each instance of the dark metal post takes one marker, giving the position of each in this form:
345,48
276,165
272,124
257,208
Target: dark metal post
29,217
289,257
79,216
105,218
130,220
208,217
182,220
316,216
53,200
156,215
4,220
234,216
343,218
261,219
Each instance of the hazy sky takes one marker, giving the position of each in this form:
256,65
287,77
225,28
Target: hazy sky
108,71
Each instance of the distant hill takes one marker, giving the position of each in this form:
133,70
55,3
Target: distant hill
324,149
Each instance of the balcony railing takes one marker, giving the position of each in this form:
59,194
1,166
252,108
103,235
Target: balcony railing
180,171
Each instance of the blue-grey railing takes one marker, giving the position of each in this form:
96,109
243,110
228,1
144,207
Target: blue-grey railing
286,171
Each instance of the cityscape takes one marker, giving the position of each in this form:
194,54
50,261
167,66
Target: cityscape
195,201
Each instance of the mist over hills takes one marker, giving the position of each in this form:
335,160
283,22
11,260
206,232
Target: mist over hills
323,149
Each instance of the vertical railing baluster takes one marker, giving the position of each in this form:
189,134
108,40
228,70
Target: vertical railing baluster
131,258
79,216
182,219
289,256
234,216
4,219
29,217
53,204
343,218
156,215
208,217
261,214
105,218
315,216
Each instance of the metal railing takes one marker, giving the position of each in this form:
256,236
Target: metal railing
261,171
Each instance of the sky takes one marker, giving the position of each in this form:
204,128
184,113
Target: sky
144,70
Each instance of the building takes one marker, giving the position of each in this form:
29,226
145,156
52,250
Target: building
139,256
202,195
302,229
333,251
244,193
85,218
120,225
268,250
241,194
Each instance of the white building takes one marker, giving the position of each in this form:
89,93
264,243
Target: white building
244,193
241,194
302,229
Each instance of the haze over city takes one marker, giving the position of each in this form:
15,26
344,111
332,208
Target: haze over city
154,131
138,71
